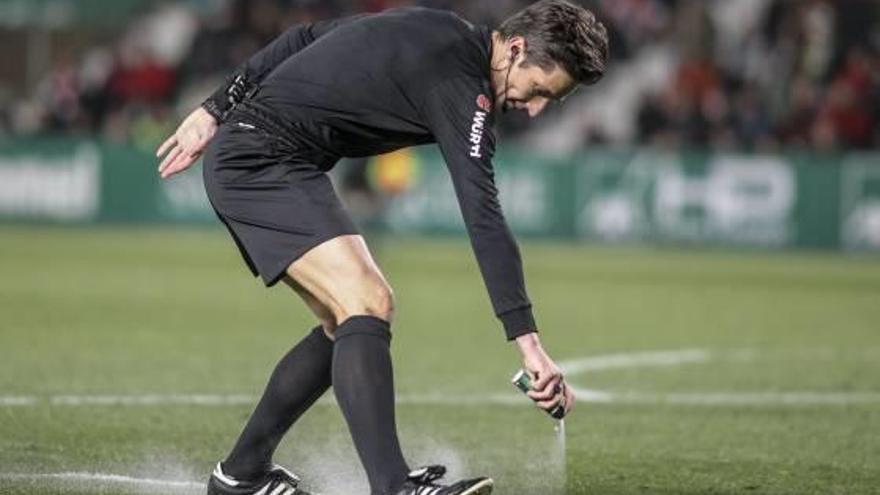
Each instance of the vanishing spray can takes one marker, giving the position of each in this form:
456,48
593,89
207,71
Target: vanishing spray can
522,381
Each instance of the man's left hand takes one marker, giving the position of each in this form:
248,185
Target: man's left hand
186,145
548,386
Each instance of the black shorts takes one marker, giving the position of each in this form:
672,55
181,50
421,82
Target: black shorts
276,200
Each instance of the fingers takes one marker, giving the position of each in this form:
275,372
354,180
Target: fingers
560,393
176,152
172,155
171,141
550,404
181,163
544,378
565,396
184,151
554,392
185,147
546,390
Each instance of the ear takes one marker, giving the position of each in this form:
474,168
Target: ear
517,47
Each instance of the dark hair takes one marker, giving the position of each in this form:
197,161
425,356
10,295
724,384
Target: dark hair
558,32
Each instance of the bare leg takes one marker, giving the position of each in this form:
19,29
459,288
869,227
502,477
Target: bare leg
342,277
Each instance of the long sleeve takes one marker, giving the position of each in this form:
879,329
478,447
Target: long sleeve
249,75
459,113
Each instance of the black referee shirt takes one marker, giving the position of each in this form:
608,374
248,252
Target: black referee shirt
371,84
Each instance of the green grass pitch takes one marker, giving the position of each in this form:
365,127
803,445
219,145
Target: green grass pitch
770,381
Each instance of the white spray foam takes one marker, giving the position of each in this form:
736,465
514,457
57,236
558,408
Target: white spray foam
327,463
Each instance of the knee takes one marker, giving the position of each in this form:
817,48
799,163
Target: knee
378,301
382,305
373,299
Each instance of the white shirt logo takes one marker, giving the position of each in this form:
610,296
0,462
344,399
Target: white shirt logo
476,138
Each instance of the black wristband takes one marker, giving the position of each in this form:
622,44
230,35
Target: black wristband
210,106
225,99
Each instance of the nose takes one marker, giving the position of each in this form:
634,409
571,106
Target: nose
536,106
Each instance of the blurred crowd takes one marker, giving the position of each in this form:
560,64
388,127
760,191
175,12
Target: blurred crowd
733,74
790,74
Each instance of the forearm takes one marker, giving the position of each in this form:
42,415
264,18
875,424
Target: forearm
500,264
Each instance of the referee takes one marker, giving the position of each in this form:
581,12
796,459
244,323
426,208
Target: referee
356,87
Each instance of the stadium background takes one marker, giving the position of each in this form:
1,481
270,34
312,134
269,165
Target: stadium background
700,234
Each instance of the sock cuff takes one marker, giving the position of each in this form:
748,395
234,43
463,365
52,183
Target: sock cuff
318,333
364,325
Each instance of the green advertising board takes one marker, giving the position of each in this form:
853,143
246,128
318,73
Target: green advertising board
81,181
859,218
765,201
614,196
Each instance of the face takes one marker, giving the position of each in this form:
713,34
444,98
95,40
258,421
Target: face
531,88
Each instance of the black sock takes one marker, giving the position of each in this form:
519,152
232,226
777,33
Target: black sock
364,385
299,379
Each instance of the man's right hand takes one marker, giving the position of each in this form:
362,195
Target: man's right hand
186,145
548,386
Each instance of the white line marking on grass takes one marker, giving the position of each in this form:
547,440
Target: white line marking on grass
103,478
17,401
477,400
107,479
635,360
151,400
775,399
571,367
731,398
